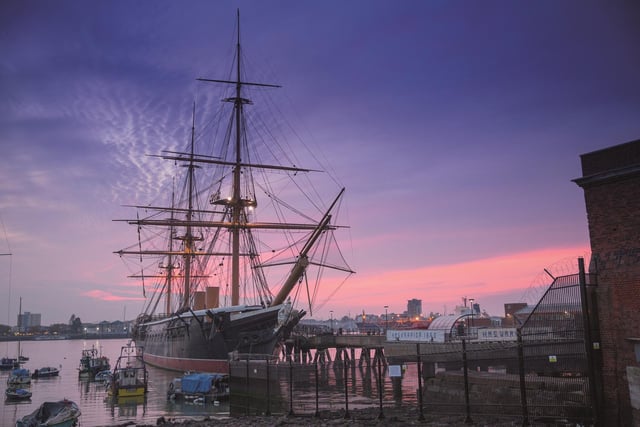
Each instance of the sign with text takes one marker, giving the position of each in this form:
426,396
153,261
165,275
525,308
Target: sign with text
416,335
497,334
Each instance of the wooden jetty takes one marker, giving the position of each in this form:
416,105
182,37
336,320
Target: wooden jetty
316,349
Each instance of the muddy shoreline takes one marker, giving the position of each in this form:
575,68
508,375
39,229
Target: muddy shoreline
359,418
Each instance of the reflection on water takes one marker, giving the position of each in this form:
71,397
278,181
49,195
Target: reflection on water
92,398
126,407
269,392
307,388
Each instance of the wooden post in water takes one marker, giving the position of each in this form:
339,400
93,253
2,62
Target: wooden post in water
268,411
346,391
246,389
290,387
317,391
380,386
421,416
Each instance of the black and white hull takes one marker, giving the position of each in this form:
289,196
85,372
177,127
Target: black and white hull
205,340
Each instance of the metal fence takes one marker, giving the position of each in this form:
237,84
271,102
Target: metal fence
558,366
545,374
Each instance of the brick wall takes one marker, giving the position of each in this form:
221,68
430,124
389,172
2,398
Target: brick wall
611,183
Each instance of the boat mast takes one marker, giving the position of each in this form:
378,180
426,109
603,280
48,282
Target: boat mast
19,328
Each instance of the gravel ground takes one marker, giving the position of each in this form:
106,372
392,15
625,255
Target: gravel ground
360,418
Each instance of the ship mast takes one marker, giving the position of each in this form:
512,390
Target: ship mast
236,208
170,265
189,239
234,217
237,204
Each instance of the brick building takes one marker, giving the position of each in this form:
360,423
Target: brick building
611,183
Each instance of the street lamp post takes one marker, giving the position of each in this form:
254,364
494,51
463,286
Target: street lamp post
386,320
331,321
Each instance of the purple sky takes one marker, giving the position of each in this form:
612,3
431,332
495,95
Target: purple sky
456,127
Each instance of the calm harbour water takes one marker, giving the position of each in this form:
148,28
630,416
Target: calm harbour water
91,397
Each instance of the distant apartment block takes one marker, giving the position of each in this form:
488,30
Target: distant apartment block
414,307
28,320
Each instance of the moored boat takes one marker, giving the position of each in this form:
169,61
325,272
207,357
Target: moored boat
92,362
63,413
8,363
201,387
47,371
130,377
103,376
218,267
17,393
19,377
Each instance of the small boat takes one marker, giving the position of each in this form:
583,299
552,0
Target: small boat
47,371
199,388
103,376
14,393
21,359
19,377
91,363
7,363
130,376
64,413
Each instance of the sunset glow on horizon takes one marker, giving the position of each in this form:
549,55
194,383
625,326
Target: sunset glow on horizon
489,281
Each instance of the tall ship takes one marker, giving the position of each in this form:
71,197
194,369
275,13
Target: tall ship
234,257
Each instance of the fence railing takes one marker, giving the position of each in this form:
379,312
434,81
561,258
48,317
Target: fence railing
542,376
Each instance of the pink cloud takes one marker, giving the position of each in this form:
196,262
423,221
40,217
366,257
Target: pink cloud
107,296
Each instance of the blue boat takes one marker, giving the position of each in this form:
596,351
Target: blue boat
19,377
13,393
199,387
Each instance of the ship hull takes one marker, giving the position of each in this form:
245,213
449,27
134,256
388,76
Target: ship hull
205,340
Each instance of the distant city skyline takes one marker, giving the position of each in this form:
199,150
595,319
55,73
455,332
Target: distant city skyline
35,318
